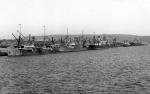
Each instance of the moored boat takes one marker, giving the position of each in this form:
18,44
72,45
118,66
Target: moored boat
97,47
28,51
3,52
71,48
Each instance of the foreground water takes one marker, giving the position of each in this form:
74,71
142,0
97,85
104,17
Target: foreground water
110,71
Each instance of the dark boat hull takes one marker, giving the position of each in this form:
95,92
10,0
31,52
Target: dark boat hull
3,54
97,47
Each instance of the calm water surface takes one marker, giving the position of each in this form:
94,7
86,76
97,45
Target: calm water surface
110,71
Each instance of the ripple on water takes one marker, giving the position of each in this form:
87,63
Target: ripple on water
112,71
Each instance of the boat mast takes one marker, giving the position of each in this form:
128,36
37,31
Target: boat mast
67,32
19,40
21,34
82,34
20,28
15,37
44,34
67,37
94,37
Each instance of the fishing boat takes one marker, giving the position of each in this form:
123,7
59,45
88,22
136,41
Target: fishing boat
21,51
75,44
71,47
27,48
98,44
97,47
3,52
126,44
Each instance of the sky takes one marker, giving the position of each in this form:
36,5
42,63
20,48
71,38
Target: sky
87,16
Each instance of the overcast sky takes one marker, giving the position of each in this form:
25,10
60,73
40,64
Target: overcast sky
87,16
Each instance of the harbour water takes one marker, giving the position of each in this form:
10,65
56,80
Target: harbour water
123,70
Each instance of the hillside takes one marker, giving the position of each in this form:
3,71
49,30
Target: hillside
120,37
146,38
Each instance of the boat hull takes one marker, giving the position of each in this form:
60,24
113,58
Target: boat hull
23,52
65,49
3,52
97,47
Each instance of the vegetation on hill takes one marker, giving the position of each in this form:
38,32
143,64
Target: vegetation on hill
119,37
